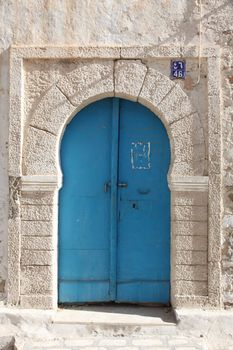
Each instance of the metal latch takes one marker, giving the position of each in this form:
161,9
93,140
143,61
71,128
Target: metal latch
122,184
107,186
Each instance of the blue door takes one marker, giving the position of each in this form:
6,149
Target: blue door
114,206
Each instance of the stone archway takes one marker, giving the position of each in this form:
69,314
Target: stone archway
90,81
127,79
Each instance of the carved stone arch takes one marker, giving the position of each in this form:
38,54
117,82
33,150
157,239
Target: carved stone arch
128,79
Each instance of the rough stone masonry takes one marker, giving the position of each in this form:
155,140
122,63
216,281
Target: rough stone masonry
55,58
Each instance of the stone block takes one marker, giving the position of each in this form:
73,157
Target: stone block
15,126
35,198
188,126
186,257
191,288
215,278
148,342
36,302
36,280
152,51
191,273
129,78
36,243
215,150
183,168
87,82
192,228
112,342
36,257
82,342
168,106
156,86
52,112
190,301
37,228
189,213
198,243
192,198
215,77
37,212
37,159
192,154
13,282
214,104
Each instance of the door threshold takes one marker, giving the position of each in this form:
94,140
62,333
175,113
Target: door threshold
116,314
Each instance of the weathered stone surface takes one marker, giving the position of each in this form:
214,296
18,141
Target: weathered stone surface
191,257
37,243
38,161
187,133
156,86
89,81
189,228
52,112
191,243
36,212
189,198
176,97
36,228
129,77
191,288
189,213
36,280
36,257
13,282
191,273
35,198
37,301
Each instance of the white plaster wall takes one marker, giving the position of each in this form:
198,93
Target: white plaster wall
102,22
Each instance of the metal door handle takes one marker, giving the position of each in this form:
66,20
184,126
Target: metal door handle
107,186
122,184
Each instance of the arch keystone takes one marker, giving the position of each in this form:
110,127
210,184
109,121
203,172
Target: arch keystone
129,77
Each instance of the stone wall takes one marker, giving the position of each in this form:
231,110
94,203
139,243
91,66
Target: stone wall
227,239
168,23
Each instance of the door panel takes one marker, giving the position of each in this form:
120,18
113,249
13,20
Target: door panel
114,242
84,209
143,254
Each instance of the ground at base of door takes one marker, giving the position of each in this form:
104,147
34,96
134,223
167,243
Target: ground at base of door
118,328
118,343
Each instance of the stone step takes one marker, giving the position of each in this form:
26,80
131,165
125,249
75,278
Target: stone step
114,320
119,343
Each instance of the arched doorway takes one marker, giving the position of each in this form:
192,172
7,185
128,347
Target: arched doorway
114,206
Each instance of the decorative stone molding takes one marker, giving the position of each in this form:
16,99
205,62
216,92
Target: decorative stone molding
189,183
40,183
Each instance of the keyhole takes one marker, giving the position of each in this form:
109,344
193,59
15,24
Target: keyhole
134,205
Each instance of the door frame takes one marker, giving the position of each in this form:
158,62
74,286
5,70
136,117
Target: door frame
36,176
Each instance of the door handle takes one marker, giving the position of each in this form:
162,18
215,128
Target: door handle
107,186
122,184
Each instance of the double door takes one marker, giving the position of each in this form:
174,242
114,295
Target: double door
114,206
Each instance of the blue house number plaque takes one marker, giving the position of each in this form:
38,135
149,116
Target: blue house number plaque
178,69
